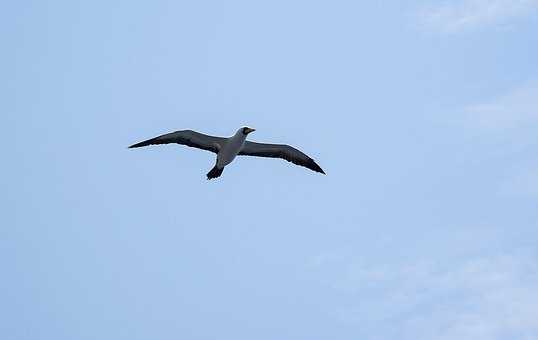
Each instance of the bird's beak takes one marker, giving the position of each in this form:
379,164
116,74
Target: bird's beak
249,130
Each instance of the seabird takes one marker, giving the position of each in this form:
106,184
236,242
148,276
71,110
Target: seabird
228,148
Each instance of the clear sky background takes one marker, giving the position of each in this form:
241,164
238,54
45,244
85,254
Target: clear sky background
424,115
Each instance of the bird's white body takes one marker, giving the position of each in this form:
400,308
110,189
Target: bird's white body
231,148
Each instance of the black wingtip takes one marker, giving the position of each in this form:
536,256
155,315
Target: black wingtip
138,145
315,167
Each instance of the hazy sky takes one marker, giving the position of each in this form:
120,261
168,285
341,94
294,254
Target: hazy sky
424,115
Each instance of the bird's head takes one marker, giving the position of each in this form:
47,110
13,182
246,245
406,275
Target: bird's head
246,130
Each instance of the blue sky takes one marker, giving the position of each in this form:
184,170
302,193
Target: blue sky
423,114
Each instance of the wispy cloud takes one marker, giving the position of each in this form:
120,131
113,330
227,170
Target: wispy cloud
517,109
489,297
458,16
522,182
508,125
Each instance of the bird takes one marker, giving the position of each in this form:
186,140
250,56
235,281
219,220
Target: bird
228,148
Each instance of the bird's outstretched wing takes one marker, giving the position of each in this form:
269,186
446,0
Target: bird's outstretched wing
286,152
186,137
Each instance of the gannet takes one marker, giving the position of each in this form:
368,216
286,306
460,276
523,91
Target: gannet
228,148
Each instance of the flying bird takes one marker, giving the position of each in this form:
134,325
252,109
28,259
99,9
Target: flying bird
228,148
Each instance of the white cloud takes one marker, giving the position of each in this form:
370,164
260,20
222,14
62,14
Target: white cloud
458,16
481,298
522,182
508,126
513,110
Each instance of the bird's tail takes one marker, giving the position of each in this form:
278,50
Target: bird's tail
215,172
